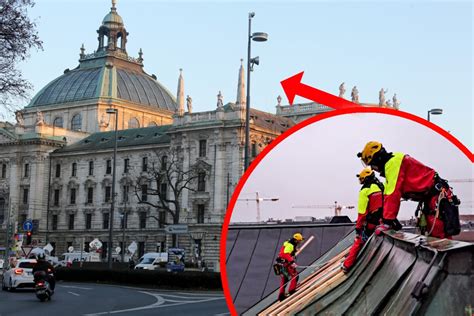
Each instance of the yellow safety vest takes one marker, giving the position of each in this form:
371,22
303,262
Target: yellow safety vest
392,169
289,247
364,197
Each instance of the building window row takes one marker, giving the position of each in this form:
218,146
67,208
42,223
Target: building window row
71,220
76,122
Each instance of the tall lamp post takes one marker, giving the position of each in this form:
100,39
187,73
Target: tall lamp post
434,112
257,37
112,204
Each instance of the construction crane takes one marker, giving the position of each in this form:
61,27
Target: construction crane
461,180
336,207
259,199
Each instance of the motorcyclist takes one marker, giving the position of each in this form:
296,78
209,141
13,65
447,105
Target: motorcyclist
43,265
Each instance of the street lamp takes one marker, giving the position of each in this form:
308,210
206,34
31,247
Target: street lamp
123,217
257,37
114,166
434,112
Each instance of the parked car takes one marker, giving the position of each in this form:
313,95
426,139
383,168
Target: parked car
151,260
19,276
71,257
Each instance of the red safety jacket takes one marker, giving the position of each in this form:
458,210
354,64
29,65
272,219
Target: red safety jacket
287,251
370,200
405,178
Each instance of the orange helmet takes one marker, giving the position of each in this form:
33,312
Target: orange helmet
366,172
370,149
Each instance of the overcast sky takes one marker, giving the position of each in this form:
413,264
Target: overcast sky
318,164
422,50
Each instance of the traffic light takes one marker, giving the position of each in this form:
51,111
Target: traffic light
28,237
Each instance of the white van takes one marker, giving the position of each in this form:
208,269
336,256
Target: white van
151,260
77,257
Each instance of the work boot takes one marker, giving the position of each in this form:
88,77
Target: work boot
344,269
281,297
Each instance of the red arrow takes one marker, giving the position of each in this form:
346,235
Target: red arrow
293,87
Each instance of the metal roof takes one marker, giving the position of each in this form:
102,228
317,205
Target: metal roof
252,250
384,281
125,138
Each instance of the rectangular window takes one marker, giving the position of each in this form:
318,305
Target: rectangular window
142,220
90,195
162,219
145,164
200,214
163,191
88,221
108,194
26,192
126,190
73,196
56,198
71,222
26,172
254,150
202,148
144,192
201,182
105,220
108,166
126,165
123,220
86,246
55,222
164,162
53,252
58,170
4,171
74,170
91,168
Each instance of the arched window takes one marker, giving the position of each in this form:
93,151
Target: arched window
76,122
58,122
133,123
152,124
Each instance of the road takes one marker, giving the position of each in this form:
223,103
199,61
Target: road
98,299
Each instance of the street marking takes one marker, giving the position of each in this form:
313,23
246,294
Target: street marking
160,302
74,293
76,287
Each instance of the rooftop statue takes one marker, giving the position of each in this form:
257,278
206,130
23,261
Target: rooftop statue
355,95
382,97
189,104
342,90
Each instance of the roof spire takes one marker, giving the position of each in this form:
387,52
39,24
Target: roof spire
114,2
241,85
180,94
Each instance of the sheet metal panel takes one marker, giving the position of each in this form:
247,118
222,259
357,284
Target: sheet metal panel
230,242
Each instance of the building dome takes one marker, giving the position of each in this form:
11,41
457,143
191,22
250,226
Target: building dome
94,83
112,18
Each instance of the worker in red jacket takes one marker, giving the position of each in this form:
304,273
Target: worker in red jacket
407,178
369,208
287,258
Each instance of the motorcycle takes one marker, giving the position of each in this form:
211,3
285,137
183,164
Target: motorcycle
43,289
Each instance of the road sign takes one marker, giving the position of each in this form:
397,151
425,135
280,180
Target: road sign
48,248
117,250
28,225
132,247
177,229
70,249
95,244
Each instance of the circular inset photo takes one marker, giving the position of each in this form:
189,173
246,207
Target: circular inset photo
354,213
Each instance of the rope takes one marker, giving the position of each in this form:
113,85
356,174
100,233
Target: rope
441,196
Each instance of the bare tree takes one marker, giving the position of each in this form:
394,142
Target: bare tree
166,180
17,36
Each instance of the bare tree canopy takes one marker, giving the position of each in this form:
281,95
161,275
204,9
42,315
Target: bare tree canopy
166,180
17,36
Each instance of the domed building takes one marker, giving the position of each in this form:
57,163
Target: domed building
108,77
56,162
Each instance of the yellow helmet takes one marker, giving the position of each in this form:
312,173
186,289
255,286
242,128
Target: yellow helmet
370,149
366,172
298,237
